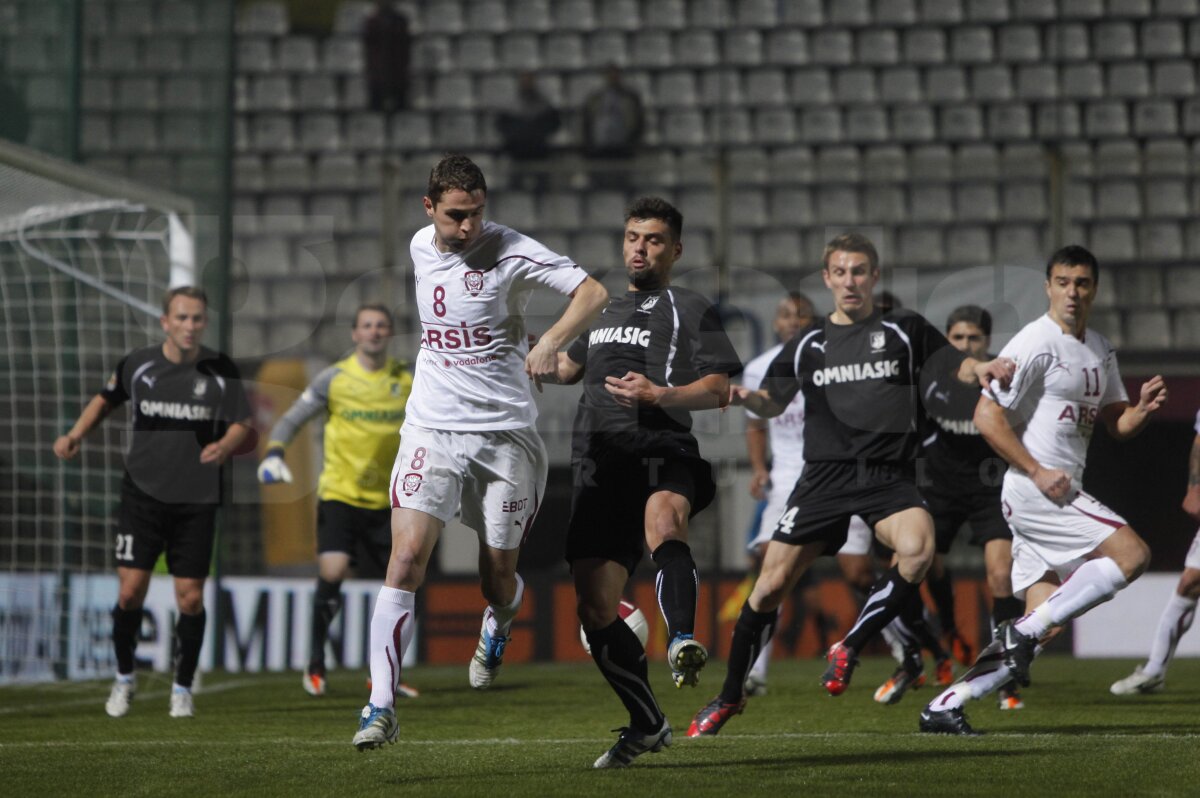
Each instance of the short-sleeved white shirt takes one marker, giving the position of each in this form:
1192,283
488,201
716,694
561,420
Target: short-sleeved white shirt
1060,385
786,429
470,373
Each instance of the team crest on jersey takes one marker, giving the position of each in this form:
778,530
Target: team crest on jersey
877,342
648,304
412,484
474,282
199,387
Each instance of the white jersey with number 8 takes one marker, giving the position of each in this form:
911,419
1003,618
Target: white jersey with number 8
470,373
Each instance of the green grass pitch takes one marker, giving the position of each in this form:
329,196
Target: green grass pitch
539,730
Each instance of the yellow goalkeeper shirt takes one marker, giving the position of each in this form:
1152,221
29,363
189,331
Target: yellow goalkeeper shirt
365,410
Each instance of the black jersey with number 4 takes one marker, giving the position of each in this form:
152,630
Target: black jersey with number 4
177,409
672,335
861,384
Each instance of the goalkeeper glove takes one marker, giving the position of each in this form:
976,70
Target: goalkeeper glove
272,469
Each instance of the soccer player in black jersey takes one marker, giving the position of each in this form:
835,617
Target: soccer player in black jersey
189,414
655,354
861,372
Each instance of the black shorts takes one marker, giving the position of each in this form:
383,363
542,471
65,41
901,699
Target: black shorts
829,493
147,526
348,529
608,504
952,508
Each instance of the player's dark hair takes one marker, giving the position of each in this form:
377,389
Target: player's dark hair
1074,255
454,172
190,291
657,208
375,306
852,242
971,314
798,298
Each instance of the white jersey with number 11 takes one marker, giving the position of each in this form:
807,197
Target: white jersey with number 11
470,372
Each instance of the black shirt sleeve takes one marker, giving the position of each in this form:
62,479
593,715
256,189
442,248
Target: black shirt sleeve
234,405
781,382
115,392
935,358
578,349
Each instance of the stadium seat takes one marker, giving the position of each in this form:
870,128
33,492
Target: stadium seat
1068,42
564,51
1167,198
95,133
961,123
1113,241
336,171
885,205
878,47
968,245
1082,81
900,85
1185,329
531,15
838,205
342,55
1129,8
410,131
1174,78
1037,82
1019,245
896,13
334,209
1078,202
931,163
1177,8
317,93
821,125
748,209
476,52
664,14
790,208
1009,121
271,92
921,246
365,131
885,164
320,132
851,13
1130,80
855,85
979,161
931,203
191,132
792,165
163,54
811,86
941,12
1025,202
520,51
1148,329
972,45
913,123
697,48
786,47
987,11
1118,159
289,173
924,46
977,202
606,47
1019,44
260,18
831,47
619,14
137,94
1082,9
1162,38
945,84
296,54
1058,121
1033,10
730,127
765,87
1153,118
1024,161
866,125
135,133
991,83
765,14
455,91
780,248
682,127
1160,241
1114,41
574,15
774,126
1106,119
744,47
1166,157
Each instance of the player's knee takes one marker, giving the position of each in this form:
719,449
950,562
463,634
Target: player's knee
1136,559
191,603
999,580
1189,583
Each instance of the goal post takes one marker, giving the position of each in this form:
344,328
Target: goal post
85,258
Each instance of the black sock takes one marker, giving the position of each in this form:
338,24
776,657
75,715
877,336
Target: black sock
620,656
750,634
913,616
1006,608
677,585
189,630
326,602
126,625
885,602
941,590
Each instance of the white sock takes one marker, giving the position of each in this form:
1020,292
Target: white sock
392,626
987,674
759,669
1094,582
176,687
126,678
499,619
1176,619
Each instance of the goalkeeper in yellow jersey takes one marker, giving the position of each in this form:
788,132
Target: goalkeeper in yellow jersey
364,395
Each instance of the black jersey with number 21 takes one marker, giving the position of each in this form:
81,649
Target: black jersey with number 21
861,384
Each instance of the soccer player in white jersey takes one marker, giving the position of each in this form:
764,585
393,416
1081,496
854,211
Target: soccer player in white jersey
468,441
1066,381
774,482
1180,611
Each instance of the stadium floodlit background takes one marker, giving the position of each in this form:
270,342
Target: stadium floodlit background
968,137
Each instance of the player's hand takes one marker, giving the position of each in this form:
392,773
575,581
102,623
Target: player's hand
1153,395
66,447
272,470
738,394
633,390
542,362
1054,483
999,370
214,454
1191,502
759,481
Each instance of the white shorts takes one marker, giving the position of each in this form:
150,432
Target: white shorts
1050,536
497,478
858,540
1193,556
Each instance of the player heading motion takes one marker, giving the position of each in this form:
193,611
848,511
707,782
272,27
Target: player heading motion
861,372
364,395
189,414
655,355
1180,611
468,440
1066,380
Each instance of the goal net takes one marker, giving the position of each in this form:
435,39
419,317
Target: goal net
84,261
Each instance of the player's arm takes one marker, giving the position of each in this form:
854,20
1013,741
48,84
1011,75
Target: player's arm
984,372
67,446
757,402
756,450
586,302
1124,420
568,371
992,421
633,389
315,398
1191,500
219,451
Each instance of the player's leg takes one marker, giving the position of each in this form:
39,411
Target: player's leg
620,657
781,487
1174,622
502,491
189,546
783,566
677,583
127,622
337,527
997,563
